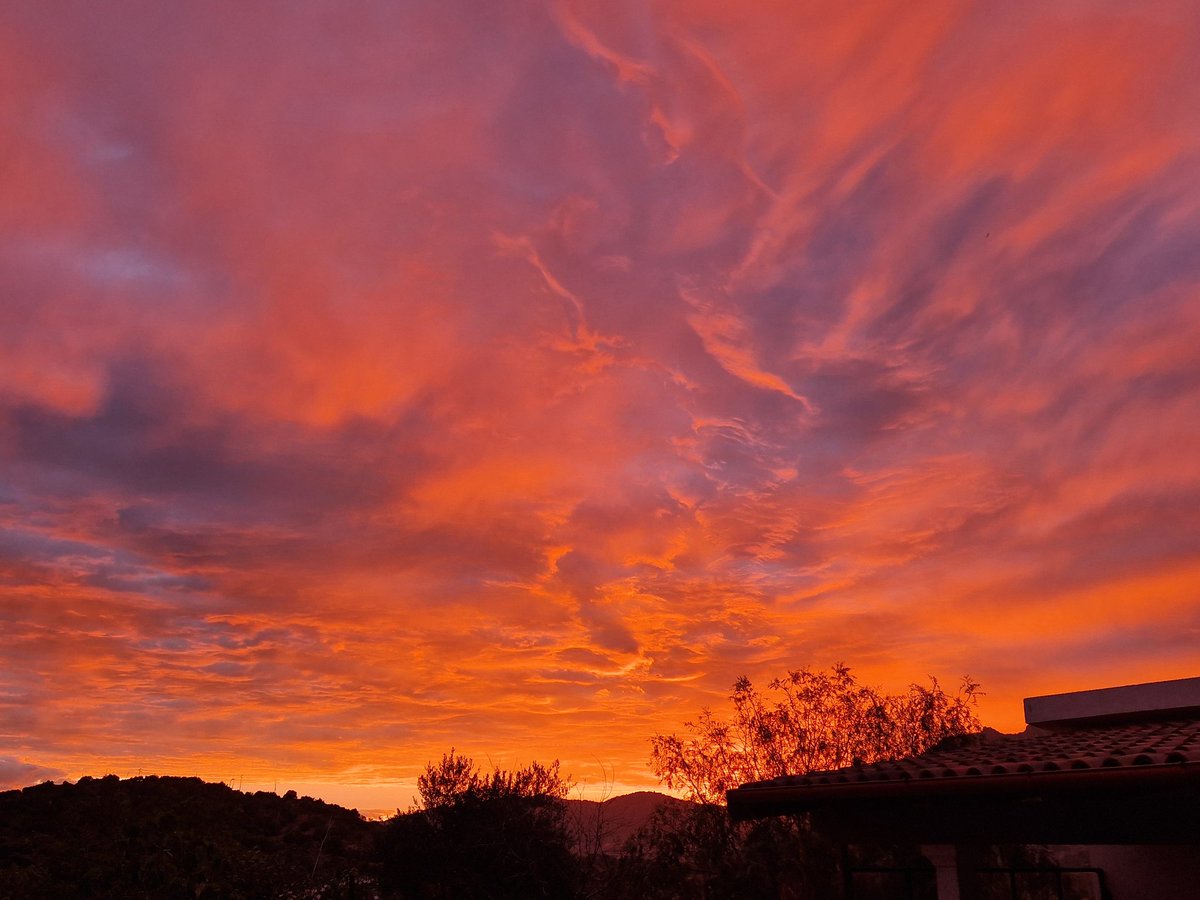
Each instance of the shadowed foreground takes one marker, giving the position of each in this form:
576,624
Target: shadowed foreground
178,837
166,837
493,834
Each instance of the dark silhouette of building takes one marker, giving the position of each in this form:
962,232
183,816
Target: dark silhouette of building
1098,799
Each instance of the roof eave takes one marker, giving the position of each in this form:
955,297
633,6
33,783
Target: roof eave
759,800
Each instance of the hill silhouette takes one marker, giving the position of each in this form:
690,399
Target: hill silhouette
606,825
167,837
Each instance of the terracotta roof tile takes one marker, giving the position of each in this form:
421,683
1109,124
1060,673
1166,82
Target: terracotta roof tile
991,754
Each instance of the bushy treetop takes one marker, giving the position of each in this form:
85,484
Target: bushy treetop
809,720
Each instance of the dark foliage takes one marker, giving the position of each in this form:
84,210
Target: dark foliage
177,837
806,721
475,835
502,835
499,835
696,851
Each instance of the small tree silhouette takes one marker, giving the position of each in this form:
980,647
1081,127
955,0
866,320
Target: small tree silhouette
807,720
811,720
500,834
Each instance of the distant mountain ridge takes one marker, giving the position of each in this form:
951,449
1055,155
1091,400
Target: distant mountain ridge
608,824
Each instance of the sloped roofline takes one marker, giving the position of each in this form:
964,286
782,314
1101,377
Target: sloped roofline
1101,767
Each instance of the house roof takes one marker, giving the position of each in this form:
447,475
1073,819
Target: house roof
1035,751
1100,778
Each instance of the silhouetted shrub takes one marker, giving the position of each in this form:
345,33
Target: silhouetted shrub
502,835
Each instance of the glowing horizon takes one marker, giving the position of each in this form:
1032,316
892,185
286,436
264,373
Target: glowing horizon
514,377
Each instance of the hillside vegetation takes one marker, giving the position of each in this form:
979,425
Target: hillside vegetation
160,837
167,837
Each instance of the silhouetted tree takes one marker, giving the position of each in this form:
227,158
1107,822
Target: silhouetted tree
697,851
497,835
810,721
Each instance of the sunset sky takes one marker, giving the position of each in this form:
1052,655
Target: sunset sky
381,377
